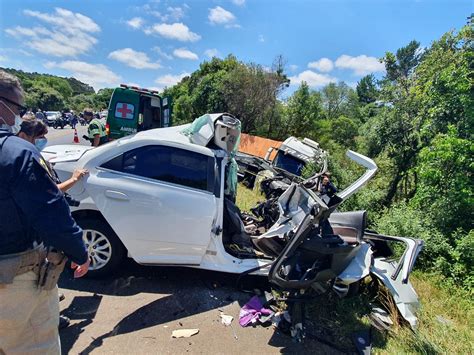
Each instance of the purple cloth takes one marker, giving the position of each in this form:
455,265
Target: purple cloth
251,311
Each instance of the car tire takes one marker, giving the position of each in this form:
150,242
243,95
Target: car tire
106,251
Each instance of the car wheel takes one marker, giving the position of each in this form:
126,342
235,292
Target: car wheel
105,249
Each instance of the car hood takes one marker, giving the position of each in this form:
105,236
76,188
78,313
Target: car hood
64,153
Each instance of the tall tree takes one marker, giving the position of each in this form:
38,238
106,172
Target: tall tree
367,89
334,97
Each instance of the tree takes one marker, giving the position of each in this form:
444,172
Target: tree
42,96
304,108
367,89
401,65
446,182
343,131
335,96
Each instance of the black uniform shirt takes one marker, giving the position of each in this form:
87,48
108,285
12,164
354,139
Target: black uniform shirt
32,208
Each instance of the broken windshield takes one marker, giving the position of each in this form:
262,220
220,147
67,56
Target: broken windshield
289,163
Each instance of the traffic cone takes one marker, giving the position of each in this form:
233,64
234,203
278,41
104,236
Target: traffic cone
76,137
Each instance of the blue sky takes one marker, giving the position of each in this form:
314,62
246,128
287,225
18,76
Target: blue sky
154,43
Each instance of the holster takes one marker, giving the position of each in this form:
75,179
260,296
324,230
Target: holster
50,270
12,265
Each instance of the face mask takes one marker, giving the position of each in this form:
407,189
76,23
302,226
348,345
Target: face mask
40,143
16,126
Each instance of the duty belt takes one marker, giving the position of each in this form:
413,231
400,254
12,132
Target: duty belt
12,265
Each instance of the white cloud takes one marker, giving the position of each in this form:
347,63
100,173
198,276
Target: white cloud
238,2
184,53
136,23
162,53
212,53
261,38
169,80
174,14
312,79
361,65
220,16
66,19
324,65
178,31
68,34
96,75
3,58
133,58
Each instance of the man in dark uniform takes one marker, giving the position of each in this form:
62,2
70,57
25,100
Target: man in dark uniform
33,215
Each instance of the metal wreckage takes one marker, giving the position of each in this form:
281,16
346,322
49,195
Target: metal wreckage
296,237
315,247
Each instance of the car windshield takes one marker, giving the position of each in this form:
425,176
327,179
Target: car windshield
289,163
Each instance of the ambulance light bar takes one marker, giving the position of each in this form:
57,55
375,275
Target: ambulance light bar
136,88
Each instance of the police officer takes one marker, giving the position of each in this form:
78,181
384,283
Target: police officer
33,216
96,129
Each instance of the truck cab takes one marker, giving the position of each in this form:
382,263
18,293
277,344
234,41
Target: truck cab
293,154
133,109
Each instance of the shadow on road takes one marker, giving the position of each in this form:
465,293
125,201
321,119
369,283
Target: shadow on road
185,292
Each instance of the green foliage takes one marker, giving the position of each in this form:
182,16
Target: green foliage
303,111
344,130
446,182
449,255
49,92
41,95
401,65
367,90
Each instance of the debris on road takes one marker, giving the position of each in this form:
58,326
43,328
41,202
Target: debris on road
184,333
226,319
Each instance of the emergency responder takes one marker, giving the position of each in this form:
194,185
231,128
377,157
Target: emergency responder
96,129
34,219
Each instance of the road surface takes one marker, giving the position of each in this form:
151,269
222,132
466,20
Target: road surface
66,135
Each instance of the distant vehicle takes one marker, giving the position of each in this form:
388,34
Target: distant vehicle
133,109
51,117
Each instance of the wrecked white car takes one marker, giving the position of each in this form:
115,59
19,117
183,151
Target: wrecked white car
164,197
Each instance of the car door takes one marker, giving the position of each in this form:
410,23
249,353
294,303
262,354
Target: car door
160,201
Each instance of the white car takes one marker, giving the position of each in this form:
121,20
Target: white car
158,197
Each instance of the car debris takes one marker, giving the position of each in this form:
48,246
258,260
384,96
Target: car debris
166,197
226,319
184,333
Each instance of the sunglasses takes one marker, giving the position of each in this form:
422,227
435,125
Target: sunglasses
21,108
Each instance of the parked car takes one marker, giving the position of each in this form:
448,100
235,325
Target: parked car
159,197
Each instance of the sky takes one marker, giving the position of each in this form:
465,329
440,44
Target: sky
155,43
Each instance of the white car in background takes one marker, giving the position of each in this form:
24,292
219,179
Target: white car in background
159,197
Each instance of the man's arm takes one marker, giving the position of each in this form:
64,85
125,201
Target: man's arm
45,208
